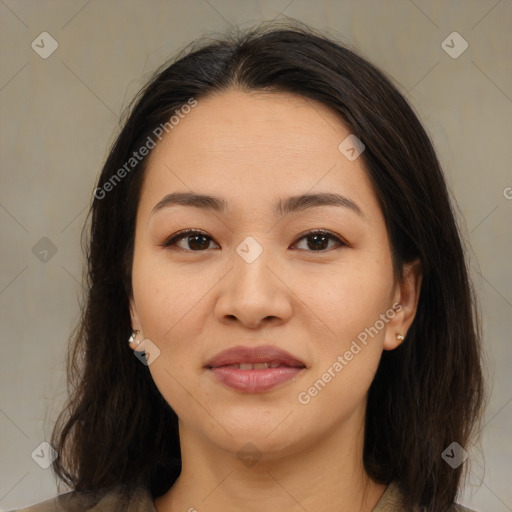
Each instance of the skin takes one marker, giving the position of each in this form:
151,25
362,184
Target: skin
252,149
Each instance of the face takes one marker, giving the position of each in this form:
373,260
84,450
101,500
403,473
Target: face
255,274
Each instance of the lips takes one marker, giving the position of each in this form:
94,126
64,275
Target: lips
255,369
246,356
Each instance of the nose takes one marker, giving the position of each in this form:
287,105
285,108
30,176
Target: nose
254,293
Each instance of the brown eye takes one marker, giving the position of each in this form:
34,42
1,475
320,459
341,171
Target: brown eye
195,241
318,241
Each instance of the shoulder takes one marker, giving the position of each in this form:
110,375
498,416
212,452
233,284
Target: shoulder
109,500
391,501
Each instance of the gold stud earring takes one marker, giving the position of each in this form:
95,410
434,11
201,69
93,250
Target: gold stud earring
400,337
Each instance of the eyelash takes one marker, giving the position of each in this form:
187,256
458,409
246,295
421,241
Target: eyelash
188,232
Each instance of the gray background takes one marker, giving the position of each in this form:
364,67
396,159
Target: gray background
60,114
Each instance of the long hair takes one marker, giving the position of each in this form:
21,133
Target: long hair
117,430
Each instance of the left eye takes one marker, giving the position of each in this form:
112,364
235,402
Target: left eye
320,239
197,241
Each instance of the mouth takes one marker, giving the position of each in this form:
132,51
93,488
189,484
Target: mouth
254,358
258,366
254,369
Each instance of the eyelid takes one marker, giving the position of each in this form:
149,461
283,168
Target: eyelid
171,241
325,232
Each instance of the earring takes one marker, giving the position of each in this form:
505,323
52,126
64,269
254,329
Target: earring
400,337
131,339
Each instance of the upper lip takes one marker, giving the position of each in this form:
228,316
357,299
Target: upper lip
261,354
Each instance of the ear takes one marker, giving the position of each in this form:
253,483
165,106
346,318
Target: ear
405,303
135,322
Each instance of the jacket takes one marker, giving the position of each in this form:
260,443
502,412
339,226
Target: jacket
142,501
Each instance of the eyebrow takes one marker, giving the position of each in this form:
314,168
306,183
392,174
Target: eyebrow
281,208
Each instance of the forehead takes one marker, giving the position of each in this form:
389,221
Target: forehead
255,145
234,122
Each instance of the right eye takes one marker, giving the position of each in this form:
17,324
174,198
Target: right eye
197,241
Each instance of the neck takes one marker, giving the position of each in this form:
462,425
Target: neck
326,474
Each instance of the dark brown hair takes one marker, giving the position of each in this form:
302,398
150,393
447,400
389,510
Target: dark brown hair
117,429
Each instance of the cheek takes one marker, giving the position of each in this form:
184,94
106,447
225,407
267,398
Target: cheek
166,296
345,299
348,305
346,345
174,303
168,303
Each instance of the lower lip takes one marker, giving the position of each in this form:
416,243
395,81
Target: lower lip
255,381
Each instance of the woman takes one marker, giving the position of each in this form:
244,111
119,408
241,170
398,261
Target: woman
272,238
